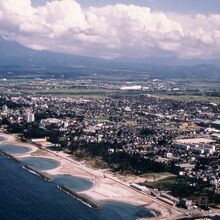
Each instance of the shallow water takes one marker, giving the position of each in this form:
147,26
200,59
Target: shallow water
72,182
40,163
125,211
24,196
2,139
14,149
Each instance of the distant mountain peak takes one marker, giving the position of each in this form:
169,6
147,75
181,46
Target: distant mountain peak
18,58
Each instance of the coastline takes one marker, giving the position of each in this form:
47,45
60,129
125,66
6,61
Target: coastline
106,187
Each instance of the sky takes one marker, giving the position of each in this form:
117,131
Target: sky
184,6
115,28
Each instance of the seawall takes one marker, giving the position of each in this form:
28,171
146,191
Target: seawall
79,197
38,173
10,156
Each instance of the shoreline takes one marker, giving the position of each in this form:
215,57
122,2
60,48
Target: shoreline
37,173
10,156
106,187
85,200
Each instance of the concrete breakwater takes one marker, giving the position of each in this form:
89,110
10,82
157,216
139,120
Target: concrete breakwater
10,156
38,173
79,197
27,167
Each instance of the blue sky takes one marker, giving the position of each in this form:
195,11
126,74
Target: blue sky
185,6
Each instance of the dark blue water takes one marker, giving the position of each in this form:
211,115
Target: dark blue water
14,149
209,217
75,183
24,196
40,163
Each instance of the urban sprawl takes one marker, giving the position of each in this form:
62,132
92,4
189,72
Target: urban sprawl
174,145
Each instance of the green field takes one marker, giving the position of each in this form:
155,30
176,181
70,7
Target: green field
183,187
188,98
95,93
90,93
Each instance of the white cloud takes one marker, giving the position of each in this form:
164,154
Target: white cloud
37,47
112,30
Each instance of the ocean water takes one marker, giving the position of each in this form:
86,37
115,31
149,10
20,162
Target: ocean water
40,163
203,218
24,196
11,149
72,182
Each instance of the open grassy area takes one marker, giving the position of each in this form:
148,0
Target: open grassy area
209,99
40,152
85,93
152,177
205,85
184,187
90,93
164,184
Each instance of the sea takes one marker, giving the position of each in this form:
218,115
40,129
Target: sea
25,196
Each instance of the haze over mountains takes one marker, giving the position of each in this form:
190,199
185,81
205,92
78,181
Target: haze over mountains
17,58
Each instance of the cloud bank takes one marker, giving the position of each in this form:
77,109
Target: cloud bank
109,31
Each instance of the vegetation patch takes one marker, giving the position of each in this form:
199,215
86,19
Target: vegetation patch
184,187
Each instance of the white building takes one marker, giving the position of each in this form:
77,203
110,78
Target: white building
29,117
131,87
197,148
51,121
5,109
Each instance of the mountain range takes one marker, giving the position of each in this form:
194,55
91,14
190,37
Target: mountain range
17,58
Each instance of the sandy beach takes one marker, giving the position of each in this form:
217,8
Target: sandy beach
106,186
